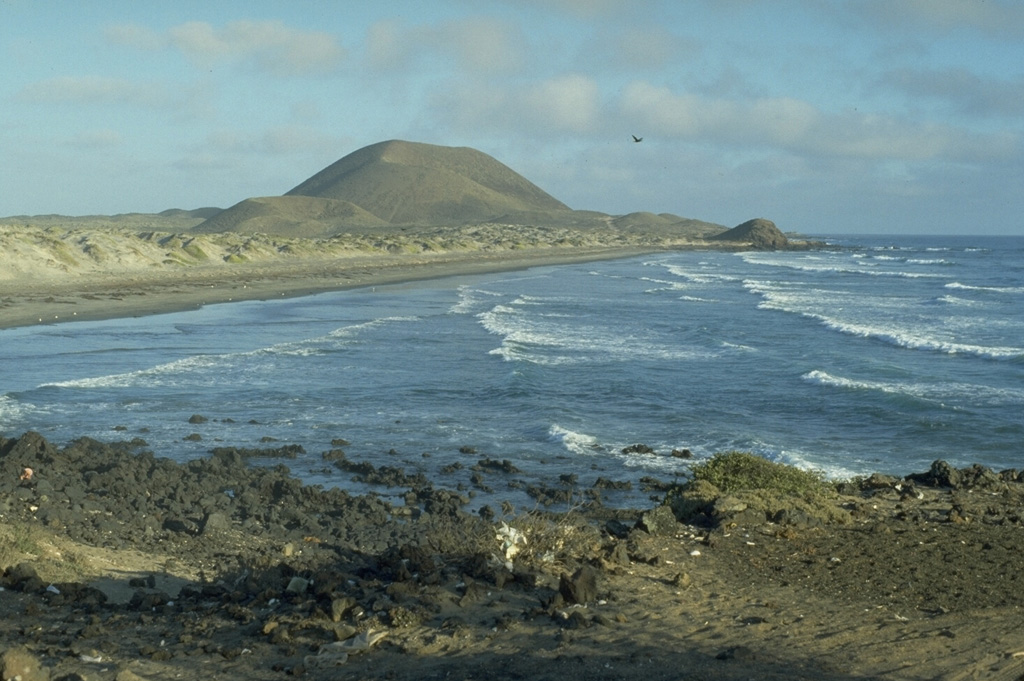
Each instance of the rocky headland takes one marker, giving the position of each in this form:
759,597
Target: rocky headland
119,564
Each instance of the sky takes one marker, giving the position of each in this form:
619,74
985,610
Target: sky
825,116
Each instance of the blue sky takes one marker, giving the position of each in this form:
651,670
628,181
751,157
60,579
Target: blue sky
826,116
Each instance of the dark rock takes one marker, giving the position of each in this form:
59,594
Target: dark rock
617,528
334,455
618,554
283,452
651,484
682,453
879,481
941,474
341,607
581,587
23,576
796,517
637,449
728,510
737,653
979,477
503,466
196,418
658,521
577,620
216,522
682,581
474,592
549,495
478,480
183,525
605,483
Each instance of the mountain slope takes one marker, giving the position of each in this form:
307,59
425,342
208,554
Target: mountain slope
291,216
413,183
392,185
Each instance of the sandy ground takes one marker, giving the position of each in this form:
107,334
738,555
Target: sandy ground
57,274
106,296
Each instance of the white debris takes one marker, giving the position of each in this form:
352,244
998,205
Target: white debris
336,654
512,541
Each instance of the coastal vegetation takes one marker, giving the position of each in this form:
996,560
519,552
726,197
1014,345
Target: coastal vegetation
736,471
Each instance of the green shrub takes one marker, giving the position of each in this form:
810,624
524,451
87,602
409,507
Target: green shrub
734,471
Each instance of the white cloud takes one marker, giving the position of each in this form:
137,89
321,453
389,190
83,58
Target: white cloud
103,138
564,104
571,102
996,18
385,47
475,45
630,48
797,126
275,141
96,90
962,90
135,36
183,102
271,46
588,9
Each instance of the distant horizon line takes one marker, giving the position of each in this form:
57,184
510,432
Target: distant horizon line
787,232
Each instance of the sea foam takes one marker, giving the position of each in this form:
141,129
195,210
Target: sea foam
941,393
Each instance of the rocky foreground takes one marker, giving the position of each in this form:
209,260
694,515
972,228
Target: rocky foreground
118,564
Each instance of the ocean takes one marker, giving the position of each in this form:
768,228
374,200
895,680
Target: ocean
879,353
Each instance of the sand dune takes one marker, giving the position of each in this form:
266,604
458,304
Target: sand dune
79,270
36,254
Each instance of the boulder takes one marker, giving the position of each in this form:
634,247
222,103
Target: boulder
659,521
581,587
759,233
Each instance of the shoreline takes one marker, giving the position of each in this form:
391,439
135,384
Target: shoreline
142,568
136,294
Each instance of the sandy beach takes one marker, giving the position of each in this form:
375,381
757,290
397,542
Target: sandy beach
109,296
77,272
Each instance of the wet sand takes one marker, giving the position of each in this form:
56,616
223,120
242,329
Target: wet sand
91,296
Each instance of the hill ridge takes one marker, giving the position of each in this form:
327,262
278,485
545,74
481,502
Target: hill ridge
396,184
412,182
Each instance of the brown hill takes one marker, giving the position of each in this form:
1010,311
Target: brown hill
204,213
413,183
396,183
758,233
292,216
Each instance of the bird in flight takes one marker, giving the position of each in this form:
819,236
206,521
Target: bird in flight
637,139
